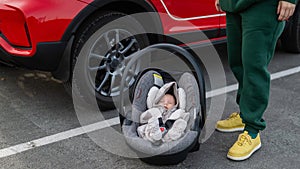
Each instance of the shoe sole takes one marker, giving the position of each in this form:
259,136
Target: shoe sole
230,130
245,157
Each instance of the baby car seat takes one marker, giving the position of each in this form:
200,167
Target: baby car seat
167,153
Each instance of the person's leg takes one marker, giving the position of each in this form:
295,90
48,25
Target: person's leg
261,30
260,33
234,48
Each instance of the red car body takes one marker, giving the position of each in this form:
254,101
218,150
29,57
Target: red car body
26,24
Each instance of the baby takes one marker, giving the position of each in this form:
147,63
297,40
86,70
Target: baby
164,122
167,101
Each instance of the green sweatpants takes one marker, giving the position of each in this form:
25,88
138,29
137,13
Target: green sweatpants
252,35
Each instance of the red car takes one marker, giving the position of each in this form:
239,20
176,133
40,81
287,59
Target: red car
48,35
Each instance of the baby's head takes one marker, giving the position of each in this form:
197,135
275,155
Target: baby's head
167,101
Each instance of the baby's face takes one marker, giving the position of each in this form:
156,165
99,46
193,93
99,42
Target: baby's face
168,101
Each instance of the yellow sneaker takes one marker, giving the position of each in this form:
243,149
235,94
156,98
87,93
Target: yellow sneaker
231,124
244,147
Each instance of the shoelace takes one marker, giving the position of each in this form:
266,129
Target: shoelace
244,138
233,116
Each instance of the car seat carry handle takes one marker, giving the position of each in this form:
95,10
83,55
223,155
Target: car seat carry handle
185,56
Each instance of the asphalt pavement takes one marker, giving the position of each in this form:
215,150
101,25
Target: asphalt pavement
35,107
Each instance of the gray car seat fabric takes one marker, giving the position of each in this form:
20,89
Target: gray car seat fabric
140,96
189,85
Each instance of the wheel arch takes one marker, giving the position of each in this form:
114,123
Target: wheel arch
63,71
127,7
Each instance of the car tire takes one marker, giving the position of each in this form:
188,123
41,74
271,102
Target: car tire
98,34
290,39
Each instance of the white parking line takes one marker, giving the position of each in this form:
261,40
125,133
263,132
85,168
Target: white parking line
57,137
113,121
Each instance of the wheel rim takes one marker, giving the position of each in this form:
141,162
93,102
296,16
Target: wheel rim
107,60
